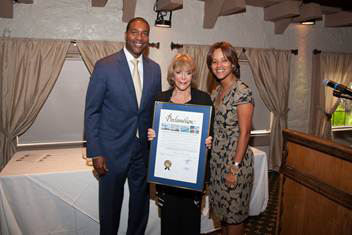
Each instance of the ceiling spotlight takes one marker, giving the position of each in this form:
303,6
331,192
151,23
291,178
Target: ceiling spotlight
308,22
309,14
163,19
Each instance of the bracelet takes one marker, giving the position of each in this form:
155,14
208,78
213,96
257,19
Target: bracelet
237,164
234,170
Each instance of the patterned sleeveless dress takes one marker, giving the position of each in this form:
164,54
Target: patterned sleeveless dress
230,205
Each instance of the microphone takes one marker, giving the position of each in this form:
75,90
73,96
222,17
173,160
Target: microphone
339,87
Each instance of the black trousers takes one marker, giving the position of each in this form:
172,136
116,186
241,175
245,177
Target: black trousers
180,212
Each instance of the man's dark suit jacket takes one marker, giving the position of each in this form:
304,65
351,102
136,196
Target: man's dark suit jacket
112,118
112,115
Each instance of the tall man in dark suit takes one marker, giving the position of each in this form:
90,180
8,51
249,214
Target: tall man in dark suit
117,115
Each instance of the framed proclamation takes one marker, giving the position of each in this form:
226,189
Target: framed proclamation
178,154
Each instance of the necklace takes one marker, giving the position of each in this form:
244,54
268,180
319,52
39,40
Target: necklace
180,98
223,92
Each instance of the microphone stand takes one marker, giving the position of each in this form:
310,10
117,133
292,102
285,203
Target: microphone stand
338,94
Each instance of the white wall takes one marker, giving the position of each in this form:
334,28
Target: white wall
67,19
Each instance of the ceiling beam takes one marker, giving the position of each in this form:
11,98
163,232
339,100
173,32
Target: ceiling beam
25,1
6,9
169,5
329,10
212,9
261,3
215,8
339,19
281,25
99,3
309,11
128,10
282,10
343,4
230,7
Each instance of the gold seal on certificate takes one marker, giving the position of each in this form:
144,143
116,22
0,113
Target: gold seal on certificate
167,164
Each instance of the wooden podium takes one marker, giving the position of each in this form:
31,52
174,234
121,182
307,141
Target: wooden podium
315,185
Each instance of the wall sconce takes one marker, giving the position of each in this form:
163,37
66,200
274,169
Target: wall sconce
163,19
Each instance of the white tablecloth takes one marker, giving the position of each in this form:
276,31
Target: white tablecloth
55,192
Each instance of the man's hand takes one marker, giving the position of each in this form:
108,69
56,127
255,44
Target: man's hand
99,164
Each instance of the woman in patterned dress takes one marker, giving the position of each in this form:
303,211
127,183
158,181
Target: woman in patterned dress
231,165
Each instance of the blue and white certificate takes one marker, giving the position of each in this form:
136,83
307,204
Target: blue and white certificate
178,153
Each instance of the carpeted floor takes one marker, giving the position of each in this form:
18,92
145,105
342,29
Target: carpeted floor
265,223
